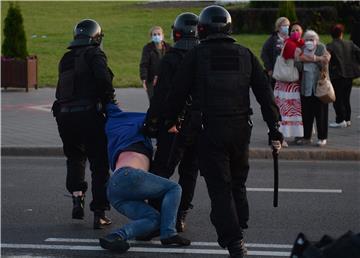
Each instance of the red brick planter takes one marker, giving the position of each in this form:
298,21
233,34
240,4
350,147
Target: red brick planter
19,73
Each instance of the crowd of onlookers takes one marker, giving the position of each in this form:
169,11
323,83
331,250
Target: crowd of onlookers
297,101
299,107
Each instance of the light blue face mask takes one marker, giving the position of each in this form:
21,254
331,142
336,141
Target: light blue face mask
284,30
156,39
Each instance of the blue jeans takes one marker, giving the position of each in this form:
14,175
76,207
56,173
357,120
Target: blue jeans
127,190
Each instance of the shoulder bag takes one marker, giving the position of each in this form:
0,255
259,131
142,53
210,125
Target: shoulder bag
284,69
324,89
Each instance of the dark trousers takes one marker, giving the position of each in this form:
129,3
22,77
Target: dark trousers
342,88
188,168
224,163
149,89
83,137
312,108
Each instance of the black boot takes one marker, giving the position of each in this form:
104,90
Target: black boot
237,249
180,221
78,207
114,242
175,240
100,219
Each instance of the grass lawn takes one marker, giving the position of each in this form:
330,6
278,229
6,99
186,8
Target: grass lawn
125,24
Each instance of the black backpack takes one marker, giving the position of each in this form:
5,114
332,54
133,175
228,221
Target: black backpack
346,246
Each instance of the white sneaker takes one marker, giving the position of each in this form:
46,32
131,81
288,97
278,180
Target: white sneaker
321,143
284,144
343,124
348,123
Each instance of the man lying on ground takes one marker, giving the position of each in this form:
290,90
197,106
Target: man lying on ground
130,153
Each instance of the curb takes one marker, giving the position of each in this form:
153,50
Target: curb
255,153
306,154
32,151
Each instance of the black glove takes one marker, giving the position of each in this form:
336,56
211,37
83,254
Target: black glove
150,127
275,135
276,139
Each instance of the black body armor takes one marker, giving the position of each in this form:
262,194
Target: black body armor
76,81
223,79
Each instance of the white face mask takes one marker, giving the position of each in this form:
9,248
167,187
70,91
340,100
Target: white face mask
310,45
284,29
157,39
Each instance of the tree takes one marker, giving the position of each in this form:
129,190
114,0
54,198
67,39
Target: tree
287,9
14,44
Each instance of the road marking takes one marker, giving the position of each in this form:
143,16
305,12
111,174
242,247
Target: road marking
46,108
295,190
141,249
84,240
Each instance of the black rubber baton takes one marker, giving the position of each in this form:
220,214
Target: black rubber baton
276,177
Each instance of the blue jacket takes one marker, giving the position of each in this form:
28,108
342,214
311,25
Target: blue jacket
122,130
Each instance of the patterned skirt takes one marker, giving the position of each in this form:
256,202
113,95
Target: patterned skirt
287,97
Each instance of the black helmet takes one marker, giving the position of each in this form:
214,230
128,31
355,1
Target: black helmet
214,19
185,26
87,32
185,31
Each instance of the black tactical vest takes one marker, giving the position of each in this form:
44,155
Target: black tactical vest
223,79
76,80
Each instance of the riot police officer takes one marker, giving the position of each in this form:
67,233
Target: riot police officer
172,150
218,74
84,88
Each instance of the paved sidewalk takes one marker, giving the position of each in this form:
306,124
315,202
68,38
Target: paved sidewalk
28,128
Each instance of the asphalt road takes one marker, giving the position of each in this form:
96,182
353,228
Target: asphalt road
315,198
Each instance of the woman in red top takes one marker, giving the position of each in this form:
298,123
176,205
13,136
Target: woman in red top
287,94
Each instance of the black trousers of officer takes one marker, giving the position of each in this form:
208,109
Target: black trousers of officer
83,137
188,166
223,158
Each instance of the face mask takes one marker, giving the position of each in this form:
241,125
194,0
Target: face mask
156,39
295,35
310,45
284,30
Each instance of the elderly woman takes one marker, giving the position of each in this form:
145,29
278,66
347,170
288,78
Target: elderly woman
287,94
150,59
315,58
273,45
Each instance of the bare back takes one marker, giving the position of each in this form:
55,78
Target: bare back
132,159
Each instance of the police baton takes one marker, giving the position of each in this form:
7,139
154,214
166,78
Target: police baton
275,155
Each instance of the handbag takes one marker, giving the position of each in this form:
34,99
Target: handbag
284,69
324,89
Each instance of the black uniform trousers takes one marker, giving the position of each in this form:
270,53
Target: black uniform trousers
149,89
312,107
223,158
342,88
83,137
188,166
